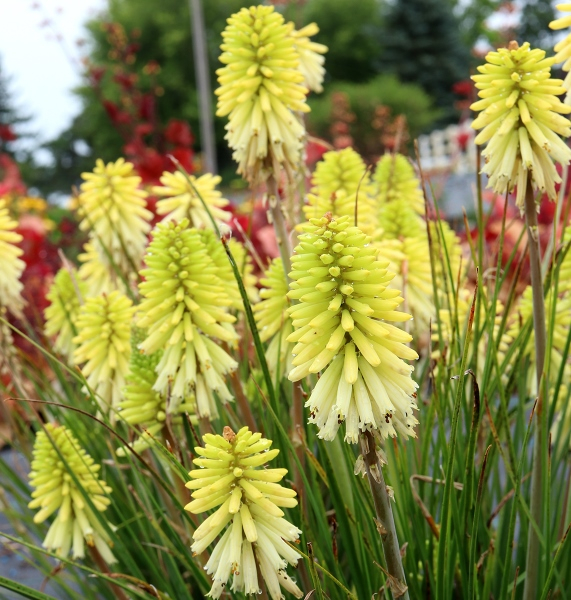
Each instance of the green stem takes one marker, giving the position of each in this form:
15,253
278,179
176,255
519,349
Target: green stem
539,326
385,520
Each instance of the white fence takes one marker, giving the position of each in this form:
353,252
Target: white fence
449,150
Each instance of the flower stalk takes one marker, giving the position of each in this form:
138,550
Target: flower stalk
385,521
539,326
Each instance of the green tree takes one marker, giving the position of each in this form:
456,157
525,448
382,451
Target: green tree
534,24
422,45
352,31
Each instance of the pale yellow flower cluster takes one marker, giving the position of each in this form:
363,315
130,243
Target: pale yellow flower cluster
180,200
311,59
272,319
12,265
341,326
66,295
260,90
185,312
563,47
113,211
248,500
103,349
342,186
521,119
57,455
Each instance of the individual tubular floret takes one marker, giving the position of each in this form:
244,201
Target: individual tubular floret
522,120
185,313
63,474
341,328
248,499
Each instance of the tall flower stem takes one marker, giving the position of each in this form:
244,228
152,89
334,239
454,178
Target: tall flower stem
279,224
539,326
385,520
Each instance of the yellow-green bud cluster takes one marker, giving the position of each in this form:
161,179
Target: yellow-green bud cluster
180,200
563,47
103,349
97,275
559,326
311,57
113,210
453,322
340,182
230,476
521,119
66,294
340,324
260,88
185,305
57,455
565,270
272,319
12,265
396,180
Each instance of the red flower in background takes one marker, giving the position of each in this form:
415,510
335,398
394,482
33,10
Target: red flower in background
148,143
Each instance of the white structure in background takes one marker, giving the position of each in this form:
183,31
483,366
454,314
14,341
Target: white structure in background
451,150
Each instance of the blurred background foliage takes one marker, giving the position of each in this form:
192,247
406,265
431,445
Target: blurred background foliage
392,53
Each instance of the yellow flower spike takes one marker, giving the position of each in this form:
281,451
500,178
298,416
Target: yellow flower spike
103,349
12,265
99,278
179,199
184,309
521,119
273,322
396,180
453,324
113,210
260,88
311,59
565,271
65,295
57,453
341,328
339,180
232,479
563,47
561,324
